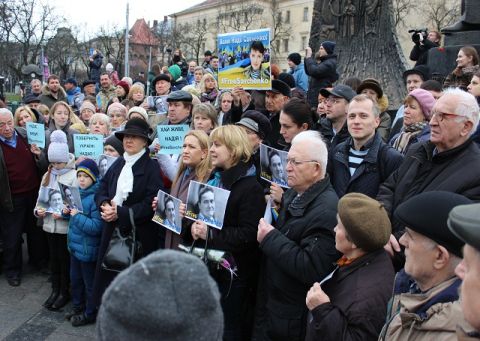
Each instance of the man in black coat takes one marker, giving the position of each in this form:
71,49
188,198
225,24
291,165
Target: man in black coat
449,161
363,161
299,250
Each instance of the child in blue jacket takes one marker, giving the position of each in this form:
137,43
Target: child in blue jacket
84,233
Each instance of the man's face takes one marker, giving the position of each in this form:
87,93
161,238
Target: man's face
105,81
274,102
300,177
419,255
191,67
53,85
336,108
214,63
276,167
69,86
170,211
469,272
432,36
162,87
413,82
253,137
321,51
56,201
291,64
447,129
206,205
6,126
177,112
361,121
256,59
36,86
89,89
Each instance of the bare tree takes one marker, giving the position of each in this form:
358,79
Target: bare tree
440,13
400,9
281,29
191,37
63,51
111,42
238,17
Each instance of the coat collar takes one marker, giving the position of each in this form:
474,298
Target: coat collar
230,176
296,205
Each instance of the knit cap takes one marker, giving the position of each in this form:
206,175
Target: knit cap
175,71
109,67
295,58
138,110
115,142
58,148
116,106
88,105
426,101
89,167
124,85
329,46
365,220
168,295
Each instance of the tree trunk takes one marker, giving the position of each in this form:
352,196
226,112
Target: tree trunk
367,44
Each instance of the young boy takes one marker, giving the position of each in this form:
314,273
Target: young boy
255,70
84,234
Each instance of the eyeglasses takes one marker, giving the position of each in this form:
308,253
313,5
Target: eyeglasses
441,115
296,163
333,100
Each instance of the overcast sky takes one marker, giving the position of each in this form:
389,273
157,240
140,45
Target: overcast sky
96,13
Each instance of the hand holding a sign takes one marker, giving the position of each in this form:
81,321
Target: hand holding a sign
182,209
199,230
264,228
56,216
276,193
154,203
35,150
308,52
73,212
66,210
41,212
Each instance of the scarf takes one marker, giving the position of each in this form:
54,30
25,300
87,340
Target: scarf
408,133
125,179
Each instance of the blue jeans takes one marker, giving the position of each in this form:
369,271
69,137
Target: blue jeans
81,277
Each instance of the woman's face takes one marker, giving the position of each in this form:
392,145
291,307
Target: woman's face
220,155
192,152
413,113
197,75
61,115
133,144
463,60
138,96
59,165
109,150
288,128
170,211
99,127
162,87
202,122
209,83
120,91
226,103
322,107
24,117
86,115
372,94
117,118
474,86
56,201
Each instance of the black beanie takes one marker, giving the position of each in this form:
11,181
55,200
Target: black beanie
115,142
295,58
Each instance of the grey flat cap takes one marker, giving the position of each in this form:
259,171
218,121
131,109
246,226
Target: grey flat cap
464,222
179,96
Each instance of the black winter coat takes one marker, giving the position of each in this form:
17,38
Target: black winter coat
455,170
359,293
321,74
324,127
299,252
380,161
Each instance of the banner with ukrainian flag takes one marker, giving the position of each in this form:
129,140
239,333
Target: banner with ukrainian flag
245,60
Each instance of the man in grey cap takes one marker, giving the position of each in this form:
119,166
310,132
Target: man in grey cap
334,126
464,222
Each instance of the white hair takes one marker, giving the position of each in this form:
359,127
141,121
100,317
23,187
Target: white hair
5,111
467,106
100,117
318,149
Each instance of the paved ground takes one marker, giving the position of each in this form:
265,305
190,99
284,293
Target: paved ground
22,316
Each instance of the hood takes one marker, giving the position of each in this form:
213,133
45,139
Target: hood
74,91
46,91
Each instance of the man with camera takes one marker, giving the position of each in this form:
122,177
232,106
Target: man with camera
424,41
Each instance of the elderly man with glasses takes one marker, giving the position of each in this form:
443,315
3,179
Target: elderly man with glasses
300,249
449,161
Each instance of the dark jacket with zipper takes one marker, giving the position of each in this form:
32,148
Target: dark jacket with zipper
297,253
380,161
324,127
359,294
321,75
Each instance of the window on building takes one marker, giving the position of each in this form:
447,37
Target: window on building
279,17
305,14
285,45
287,17
304,43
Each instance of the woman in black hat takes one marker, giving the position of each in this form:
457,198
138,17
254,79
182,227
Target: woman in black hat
131,182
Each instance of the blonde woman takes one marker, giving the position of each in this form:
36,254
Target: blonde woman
136,95
23,115
208,88
205,117
62,118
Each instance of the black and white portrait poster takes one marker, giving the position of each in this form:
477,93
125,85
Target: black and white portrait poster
50,200
206,203
273,164
104,163
159,103
71,197
167,212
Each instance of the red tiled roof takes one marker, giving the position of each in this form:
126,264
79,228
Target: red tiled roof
141,34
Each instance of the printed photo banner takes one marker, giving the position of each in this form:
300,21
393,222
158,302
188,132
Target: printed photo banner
158,103
36,134
273,164
170,138
50,200
245,60
206,203
167,213
104,162
71,197
88,145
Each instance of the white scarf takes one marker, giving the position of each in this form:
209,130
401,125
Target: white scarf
125,179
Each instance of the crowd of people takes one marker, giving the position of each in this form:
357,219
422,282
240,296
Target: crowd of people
368,233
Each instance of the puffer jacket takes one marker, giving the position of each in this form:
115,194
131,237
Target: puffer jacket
85,229
431,315
60,226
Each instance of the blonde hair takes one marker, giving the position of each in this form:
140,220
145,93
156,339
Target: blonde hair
100,117
72,118
203,169
135,89
29,111
43,109
204,78
236,141
206,110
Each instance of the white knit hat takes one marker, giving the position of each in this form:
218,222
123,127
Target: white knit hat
58,148
138,110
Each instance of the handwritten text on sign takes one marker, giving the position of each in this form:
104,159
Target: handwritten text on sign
89,145
36,134
171,138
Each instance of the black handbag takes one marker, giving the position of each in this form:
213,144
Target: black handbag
123,248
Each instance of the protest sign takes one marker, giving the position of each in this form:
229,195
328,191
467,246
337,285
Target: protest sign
171,138
245,60
158,103
88,145
273,163
104,163
206,203
167,213
71,197
50,200
36,134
